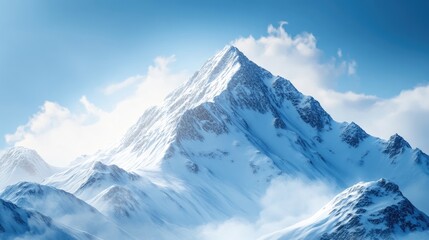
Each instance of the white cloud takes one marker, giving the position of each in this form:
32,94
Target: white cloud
294,57
415,194
60,135
339,53
351,68
50,115
292,208
298,59
115,87
286,201
406,114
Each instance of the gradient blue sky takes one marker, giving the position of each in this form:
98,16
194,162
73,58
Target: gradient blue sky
60,50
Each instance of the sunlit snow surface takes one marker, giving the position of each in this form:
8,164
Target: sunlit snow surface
211,150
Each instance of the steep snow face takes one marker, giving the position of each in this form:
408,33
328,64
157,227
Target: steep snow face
64,207
18,223
371,210
22,164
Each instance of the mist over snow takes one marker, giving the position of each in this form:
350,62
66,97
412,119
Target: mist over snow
287,201
414,192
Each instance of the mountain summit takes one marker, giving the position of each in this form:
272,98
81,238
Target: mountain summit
217,99
22,164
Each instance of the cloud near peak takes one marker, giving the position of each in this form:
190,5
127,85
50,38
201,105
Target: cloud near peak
294,57
60,135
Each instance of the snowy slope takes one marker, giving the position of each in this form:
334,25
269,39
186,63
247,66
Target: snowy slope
18,223
367,210
64,207
22,164
211,149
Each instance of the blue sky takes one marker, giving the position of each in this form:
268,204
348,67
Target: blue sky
60,50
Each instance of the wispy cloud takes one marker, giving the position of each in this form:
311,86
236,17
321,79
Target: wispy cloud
60,135
295,57
351,68
115,87
340,53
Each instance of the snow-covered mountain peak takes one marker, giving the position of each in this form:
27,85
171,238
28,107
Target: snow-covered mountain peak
24,158
374,209
353,134
34,196
22,164
224,71
421,158
367,210
82,180
227,94
228,54
396,145
102,175
112,171
362,194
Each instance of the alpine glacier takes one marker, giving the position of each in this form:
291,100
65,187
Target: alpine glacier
210,151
